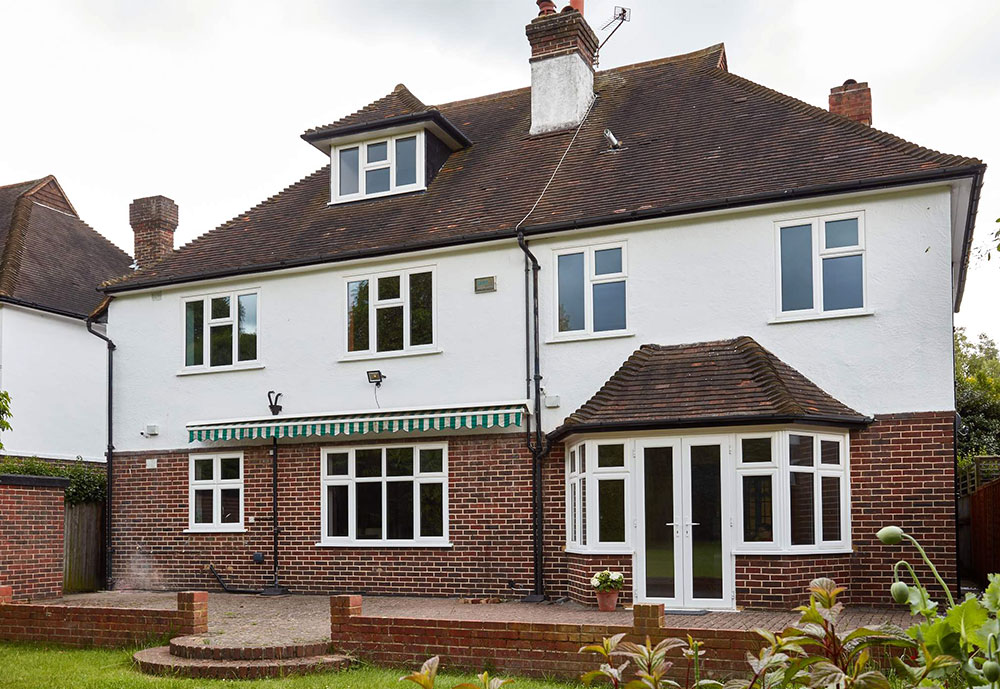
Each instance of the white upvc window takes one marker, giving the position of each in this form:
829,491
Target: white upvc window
821,266
394,495
597,496
215,495
793,492
221,330
591,290
378,167
391,312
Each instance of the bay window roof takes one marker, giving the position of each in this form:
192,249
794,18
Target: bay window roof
726,382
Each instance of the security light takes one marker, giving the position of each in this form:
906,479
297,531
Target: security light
376,378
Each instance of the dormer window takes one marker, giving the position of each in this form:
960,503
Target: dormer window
378,167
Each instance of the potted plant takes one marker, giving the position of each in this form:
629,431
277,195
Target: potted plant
606,585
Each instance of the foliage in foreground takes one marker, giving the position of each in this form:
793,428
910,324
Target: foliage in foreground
86,483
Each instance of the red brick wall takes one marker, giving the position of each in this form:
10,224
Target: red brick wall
110,627
31,536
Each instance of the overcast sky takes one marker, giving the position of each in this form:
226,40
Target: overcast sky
203,101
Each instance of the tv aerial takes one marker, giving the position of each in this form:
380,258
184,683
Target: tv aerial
622,15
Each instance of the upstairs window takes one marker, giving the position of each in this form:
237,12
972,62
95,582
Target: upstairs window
380,167
391,312
590,290
220,330
821,265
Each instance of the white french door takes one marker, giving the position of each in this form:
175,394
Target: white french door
683,546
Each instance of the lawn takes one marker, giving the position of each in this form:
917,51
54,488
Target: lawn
32,665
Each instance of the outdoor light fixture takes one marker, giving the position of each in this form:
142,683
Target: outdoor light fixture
376,378
272,402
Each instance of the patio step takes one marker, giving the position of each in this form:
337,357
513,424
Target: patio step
218,648
160,661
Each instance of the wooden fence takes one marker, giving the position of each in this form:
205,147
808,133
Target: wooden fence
985,514
83,548
983,470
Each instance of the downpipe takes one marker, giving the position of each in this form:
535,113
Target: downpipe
109,454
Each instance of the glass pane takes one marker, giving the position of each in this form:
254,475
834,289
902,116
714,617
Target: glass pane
658,487
609,306
755,450
388,288
829,452
610,455
758,526
376,180
348,171
583,510
800,450
572,512
431,460
801,512
611,511
336,464
399,461
389,329
247,344
399,501
369,510
230,468
706,519
830,487
607,261
221,345
336,511
203,507
220,307
230,503
572,461
571,295
406,161
367,463
357,316
194,333
377,153
203,469
842,283
841,233
431,510
796,268
421,319
583,458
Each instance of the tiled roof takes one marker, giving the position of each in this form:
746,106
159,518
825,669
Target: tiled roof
400,101
706,384
49,258
695,137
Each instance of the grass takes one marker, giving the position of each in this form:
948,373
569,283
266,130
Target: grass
55,667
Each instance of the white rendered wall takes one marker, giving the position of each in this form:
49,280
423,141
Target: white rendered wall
689,280
562,89
55,372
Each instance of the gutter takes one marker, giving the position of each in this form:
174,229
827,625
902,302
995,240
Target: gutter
970,225
399,120
39,307
109,454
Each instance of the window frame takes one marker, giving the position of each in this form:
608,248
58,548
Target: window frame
374,304
364,165
351,480
590,278
819,253
588,515
209,322
217,484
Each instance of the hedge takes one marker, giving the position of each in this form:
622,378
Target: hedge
86,483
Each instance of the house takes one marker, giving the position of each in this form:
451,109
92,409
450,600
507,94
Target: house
656,318
51,264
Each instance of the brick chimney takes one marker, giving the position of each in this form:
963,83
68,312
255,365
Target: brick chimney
563,52
153,220
853,101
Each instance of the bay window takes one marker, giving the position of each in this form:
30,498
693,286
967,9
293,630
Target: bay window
220,330
392,495
391,312
215,492
591,290
604,526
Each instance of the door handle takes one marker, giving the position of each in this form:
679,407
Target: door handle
694,523
670,524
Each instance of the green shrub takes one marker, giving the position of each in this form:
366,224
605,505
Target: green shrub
86,483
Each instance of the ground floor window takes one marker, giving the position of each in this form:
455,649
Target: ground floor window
597,469
391,495
215,495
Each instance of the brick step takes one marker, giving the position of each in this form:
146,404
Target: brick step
159,661
205,647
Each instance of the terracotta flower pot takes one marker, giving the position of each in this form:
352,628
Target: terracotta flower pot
607,601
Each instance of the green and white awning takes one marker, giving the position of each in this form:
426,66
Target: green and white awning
362,423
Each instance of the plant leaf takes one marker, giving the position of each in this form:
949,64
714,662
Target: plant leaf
967,618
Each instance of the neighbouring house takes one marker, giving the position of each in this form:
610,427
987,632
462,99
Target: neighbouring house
51,264
715,353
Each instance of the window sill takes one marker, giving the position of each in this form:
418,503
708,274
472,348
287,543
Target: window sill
590,336
368,356
386,544
624,550
220,369
215,530
354,198
839,550
819,317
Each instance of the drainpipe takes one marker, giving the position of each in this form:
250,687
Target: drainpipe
109,454
274,589
540,446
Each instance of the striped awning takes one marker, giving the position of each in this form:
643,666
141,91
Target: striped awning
361,423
